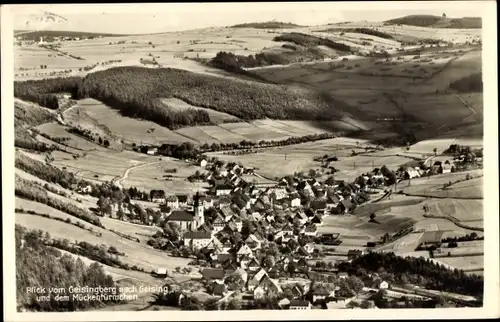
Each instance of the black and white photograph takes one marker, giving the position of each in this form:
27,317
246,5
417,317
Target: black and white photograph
320,157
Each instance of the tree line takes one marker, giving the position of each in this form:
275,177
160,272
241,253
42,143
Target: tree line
310,41
27,190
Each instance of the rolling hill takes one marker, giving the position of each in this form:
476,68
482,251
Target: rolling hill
437,22
48,34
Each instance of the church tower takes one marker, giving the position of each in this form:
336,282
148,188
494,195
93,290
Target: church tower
199,215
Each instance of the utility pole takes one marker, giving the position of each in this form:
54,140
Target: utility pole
354,166
285,156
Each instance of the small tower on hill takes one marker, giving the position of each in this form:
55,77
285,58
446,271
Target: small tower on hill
199,215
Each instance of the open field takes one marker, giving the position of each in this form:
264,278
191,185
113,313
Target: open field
271,162
468,263
136,253
461,210
139,131
152,177
131,130
432,186
217,117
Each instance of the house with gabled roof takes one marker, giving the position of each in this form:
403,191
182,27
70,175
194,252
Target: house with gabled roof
183,200
344,206
254,280
298,291
311,230
197,239
305,188
223,190
172,202
288,230
317,220
213,275
214,244
224,201
244,250
321,293
270,286
237,222
253,242
157,196
218,224
253,265
332,201
318,206
295,201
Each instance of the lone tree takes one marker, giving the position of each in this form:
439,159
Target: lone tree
372,217
444,15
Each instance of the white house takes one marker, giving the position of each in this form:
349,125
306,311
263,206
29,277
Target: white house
295,202
223,190
152,151
203,163
172,202
197,239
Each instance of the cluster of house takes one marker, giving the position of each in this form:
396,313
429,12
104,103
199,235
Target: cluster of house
437,167
287,213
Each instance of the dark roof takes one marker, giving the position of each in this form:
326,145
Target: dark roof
212,273
224,187
197,235
318,204
334,198
346,203
321,291
311,228
218,289
180,215
182,198
157,194
299,303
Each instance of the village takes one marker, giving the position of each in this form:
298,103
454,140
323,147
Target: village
253,243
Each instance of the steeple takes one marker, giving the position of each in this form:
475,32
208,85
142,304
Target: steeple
199,215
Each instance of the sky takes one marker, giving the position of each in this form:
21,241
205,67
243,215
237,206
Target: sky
165,17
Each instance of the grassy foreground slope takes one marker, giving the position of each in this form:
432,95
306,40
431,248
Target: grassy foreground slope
138,92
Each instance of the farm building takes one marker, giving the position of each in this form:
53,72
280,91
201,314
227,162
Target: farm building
203,163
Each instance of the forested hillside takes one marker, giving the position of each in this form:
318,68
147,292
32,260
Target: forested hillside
39,265
137,92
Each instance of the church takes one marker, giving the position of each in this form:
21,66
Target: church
189,220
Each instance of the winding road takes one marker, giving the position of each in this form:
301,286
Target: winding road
118,182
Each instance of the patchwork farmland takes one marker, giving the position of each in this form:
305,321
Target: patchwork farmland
228,164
